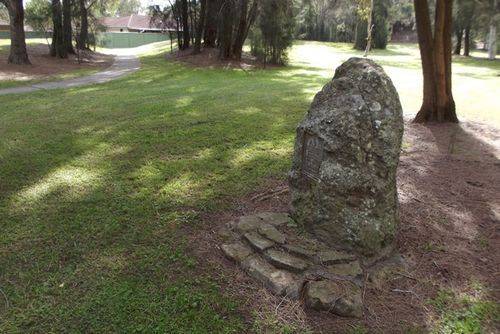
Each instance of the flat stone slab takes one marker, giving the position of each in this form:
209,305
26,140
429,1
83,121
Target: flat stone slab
300,250
333,257
286,261
270,232
339,297
257,241
248,223
279,282
236,251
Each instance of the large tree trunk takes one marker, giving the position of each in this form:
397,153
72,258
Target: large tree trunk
84,28
467,41
58,48
492,36
246,21
185,24
213,8
435,51
241,32
66,26
201,26
18,54
458,34
226,31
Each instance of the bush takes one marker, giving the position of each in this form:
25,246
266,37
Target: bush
274,32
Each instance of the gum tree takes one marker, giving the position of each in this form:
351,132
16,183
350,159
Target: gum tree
435,51
18,53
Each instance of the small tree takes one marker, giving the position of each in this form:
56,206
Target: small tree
39,16
372,25
276,25
380,31
58,48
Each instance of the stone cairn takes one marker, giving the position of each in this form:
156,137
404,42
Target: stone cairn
344,198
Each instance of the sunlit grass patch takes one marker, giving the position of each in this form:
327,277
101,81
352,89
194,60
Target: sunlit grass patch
472,312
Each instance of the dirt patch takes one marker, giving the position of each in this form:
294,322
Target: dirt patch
45,67
449,194
209,58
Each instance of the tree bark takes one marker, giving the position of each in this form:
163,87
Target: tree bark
435,51
424,33
241,32
226,31
467,41
84,28
201,26
458,34
18,54
492,38
58,48
213,8
185,24
66,26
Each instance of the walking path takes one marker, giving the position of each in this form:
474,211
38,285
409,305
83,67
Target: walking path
123,64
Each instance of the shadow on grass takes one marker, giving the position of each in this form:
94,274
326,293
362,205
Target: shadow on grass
95,182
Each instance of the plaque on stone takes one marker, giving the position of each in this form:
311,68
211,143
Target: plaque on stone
312,156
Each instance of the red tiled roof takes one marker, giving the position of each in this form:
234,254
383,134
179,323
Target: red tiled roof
115,22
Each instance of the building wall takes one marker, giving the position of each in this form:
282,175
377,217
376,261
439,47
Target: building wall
113,40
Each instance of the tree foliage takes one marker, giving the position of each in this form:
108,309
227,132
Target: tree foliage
275,31
38,15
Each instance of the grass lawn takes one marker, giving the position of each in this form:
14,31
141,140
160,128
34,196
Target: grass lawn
98,185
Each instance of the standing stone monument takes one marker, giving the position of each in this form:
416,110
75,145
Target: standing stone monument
343,186
343,179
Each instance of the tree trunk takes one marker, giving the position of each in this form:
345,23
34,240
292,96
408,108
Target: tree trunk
226,31
201,26
424,33
435,52
66,26
369,29
467,42
458,34
240,33
185,24
84,29
18,54
213,8
58,48
492,38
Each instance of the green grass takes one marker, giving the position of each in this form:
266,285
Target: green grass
102,186
470,313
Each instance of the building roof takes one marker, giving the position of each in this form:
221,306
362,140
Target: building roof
136,22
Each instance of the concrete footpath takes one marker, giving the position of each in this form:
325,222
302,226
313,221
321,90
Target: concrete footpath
122,65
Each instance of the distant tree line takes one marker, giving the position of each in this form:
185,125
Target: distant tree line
226,24
347,21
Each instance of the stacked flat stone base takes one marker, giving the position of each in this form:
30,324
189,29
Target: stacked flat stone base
272,250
